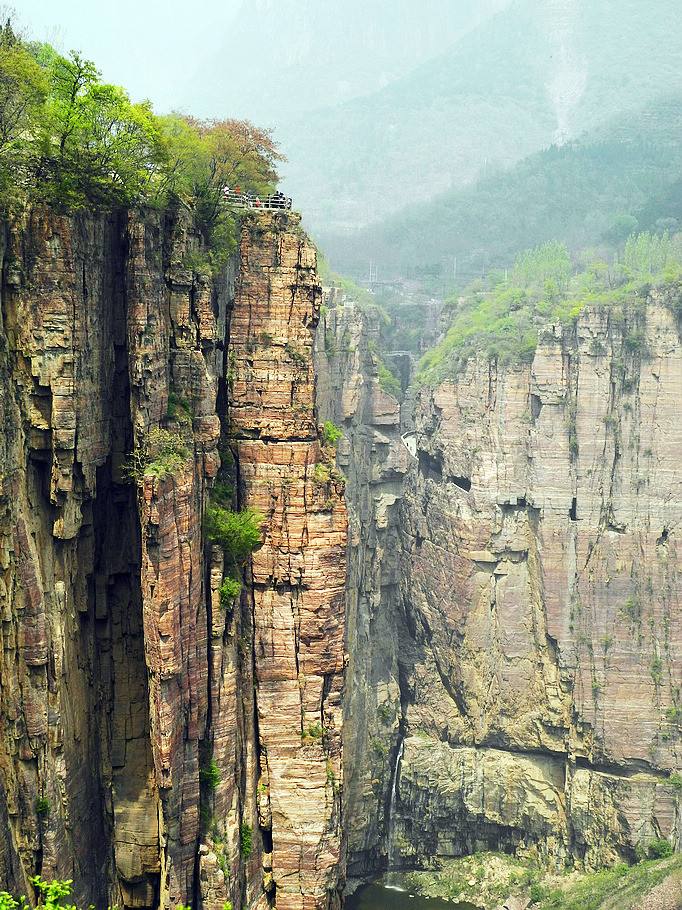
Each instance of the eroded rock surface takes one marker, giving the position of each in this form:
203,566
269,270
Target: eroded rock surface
299,574
375,462
122,678
531,662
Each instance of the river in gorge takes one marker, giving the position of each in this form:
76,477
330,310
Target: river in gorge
382,897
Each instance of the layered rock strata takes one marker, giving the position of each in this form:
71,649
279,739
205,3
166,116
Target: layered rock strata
542,591
297,579
132,742
375,462
531,664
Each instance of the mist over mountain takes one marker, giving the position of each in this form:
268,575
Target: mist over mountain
534,74
282,58
620,177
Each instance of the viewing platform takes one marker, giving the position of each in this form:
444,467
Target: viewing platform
276,202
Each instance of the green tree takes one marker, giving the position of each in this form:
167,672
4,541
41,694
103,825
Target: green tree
646,254
96,146
546,267
71,140
23,90
238,533
205,156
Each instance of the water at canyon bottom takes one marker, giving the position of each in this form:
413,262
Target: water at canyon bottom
380,897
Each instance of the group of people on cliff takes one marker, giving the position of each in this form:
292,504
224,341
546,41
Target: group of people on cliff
250,200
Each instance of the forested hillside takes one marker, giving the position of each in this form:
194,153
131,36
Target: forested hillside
598,189
535,73
503,316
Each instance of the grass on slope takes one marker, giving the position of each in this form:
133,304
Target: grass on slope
620,888
487,879
502,319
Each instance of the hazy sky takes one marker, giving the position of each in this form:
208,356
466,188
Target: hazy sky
149,46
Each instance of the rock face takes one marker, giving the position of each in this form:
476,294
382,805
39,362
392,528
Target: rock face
376,462
147,740
298,576
533,666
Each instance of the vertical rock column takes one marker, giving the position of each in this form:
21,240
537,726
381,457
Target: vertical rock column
172,335
299,573
60,330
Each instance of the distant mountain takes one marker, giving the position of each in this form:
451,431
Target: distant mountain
537,72
624,176
282,58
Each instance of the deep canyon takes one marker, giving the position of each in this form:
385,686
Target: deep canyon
462,627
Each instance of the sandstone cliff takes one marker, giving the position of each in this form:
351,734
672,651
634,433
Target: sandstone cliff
514,601
153,743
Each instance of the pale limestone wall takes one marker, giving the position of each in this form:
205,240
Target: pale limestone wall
528,647
544,600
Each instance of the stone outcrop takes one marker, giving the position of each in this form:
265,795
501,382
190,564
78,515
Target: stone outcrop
144,728
530,664
298,576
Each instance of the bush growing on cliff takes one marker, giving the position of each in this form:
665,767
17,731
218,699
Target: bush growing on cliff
51,896
238,533
659,848
245,840
211,776
160,455
676,781
388,381
331,433
228,591
179,409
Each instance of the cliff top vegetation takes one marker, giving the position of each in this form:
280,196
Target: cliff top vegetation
72,141
502,316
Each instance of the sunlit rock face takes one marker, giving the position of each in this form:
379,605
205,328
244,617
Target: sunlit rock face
298,575
126,687
528,644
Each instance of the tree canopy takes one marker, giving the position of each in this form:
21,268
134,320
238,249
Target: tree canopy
71,140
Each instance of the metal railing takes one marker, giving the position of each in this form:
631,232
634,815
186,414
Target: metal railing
276,202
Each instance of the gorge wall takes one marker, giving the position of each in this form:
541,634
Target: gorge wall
509,570
154,740
514,623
